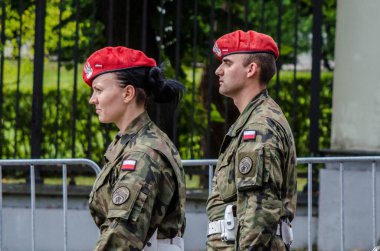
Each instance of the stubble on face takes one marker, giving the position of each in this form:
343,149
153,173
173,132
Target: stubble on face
231,75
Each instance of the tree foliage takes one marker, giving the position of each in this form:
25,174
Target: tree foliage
181,41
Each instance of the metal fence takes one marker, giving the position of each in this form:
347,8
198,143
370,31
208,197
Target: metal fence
52,121
43,162
211,163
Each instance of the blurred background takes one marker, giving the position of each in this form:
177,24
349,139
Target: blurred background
327,84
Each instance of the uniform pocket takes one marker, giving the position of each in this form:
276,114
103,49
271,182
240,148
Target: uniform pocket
253,168
225,179
123,200
100,180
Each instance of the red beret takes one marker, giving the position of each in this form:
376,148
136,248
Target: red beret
244,42
111,59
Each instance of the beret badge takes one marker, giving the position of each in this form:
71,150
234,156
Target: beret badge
88,70
217,50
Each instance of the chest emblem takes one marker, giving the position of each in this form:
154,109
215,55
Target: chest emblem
245,165
120,195
249,135
128,165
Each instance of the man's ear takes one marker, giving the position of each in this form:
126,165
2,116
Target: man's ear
129,92
253,68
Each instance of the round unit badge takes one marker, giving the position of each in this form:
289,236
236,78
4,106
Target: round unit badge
120,195
245,165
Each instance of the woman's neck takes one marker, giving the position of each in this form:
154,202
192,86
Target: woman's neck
130,114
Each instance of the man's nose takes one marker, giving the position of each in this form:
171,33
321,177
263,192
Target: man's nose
218,71
92,99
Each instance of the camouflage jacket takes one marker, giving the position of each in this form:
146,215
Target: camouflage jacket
141,188
256,171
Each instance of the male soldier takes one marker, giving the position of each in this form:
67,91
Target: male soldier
254,195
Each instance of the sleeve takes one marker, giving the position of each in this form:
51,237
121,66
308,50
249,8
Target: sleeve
134,197
259,182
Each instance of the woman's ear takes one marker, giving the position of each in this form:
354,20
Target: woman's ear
129,92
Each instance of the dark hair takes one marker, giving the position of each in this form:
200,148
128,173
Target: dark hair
267,64
151,84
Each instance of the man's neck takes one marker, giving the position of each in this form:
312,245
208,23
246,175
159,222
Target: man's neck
246,96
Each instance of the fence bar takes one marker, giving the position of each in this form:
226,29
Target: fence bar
177,67
210,176
262,16
64,194
111,16
127,21
317,160
37,113
1,208
2,38
75,92
374,202
210,79
315,76
279,37
18,162
341,206
17,98
58,92
295,84
31,163
89,106
309,203
195,32
246,12
33,203
144,24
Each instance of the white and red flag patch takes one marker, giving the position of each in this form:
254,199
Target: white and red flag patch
128,165
249,135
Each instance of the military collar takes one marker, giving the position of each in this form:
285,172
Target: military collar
242,119
122,138
136,124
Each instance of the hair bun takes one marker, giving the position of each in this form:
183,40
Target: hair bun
164,90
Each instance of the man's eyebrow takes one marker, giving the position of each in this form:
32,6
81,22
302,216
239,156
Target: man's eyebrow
226,60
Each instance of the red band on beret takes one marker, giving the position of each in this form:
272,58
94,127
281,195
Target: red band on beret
245,42
111,59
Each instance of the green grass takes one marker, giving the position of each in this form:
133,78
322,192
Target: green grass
194,182
79,180
50,79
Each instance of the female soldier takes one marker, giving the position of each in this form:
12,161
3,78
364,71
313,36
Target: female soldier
141,188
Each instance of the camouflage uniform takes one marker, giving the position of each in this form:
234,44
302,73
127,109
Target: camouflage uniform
256,172
129,202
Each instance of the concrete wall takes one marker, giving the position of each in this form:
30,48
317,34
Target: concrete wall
358,220
356,102
83,234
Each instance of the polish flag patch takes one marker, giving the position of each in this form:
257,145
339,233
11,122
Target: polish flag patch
249,135
128,165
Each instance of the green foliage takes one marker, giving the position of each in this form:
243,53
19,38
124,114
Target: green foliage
20,27
192,120
56,143
298,111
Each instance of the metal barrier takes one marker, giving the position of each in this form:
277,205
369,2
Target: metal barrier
188,163
310,161
32,163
